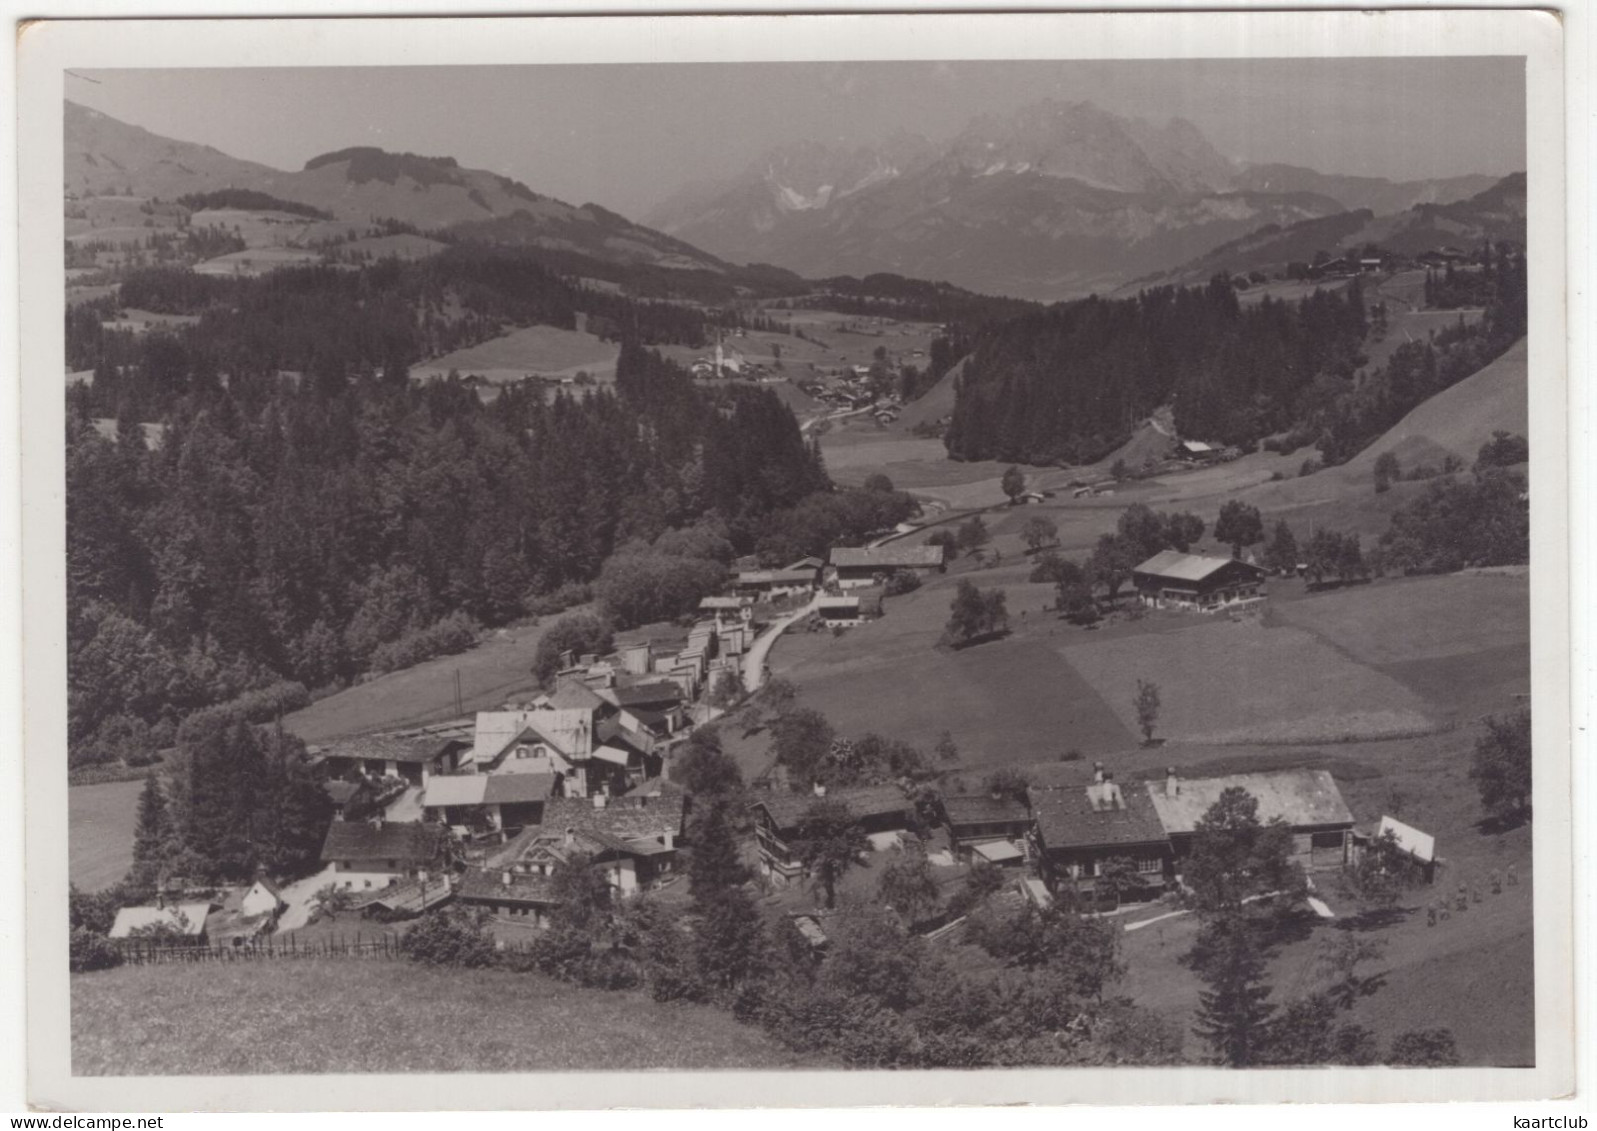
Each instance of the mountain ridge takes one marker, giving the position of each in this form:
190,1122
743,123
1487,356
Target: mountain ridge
1051,201
1493,214
106,156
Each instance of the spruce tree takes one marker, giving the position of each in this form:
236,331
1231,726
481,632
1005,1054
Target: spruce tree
153,835
729,942
1233,1010
714,865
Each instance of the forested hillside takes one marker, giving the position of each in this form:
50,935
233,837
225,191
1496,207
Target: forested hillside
1417,370
1069,384
293,532
334,325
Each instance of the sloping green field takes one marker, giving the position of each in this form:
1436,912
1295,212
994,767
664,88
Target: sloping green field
375,1015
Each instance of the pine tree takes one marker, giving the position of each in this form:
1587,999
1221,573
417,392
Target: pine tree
153,835
1234,1010
714,865
729,944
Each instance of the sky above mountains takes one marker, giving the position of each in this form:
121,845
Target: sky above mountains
625,136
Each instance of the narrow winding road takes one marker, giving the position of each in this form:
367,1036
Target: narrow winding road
754,662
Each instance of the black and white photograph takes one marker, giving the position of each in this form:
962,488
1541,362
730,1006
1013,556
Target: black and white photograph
798,547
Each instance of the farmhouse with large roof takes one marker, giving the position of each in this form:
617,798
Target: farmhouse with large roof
1175,580
852,567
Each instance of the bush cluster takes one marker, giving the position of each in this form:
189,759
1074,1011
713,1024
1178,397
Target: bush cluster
444,637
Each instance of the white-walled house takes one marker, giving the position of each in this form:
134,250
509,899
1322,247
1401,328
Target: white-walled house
366,856
262,898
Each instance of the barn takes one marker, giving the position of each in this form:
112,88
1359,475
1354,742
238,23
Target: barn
1307,801
1174,580
852,567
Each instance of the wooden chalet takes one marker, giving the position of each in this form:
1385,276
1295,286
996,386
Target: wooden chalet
1198,451
1078,829
1174,580
413,756
488,802
526,897
881,810
635,846
765,584
839,612
974,822
852,567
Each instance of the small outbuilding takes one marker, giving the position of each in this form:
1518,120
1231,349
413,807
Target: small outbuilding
981,821
839,612
262,898
183,923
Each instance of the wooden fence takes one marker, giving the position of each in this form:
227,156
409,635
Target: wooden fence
139,953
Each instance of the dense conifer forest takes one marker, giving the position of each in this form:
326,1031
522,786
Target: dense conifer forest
1069,384
288,530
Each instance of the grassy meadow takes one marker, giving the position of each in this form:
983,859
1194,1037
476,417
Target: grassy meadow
498,668
1228,682
545,350
101,821
352,1015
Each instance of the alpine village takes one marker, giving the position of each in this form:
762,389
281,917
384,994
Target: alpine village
505,636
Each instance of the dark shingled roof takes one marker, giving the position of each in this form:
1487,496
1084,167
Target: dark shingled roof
983,809
490,887
650,788
659,692
788,809
610,732
1066,819
409,842
649,717
626,822
511,789
388,747
615,826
